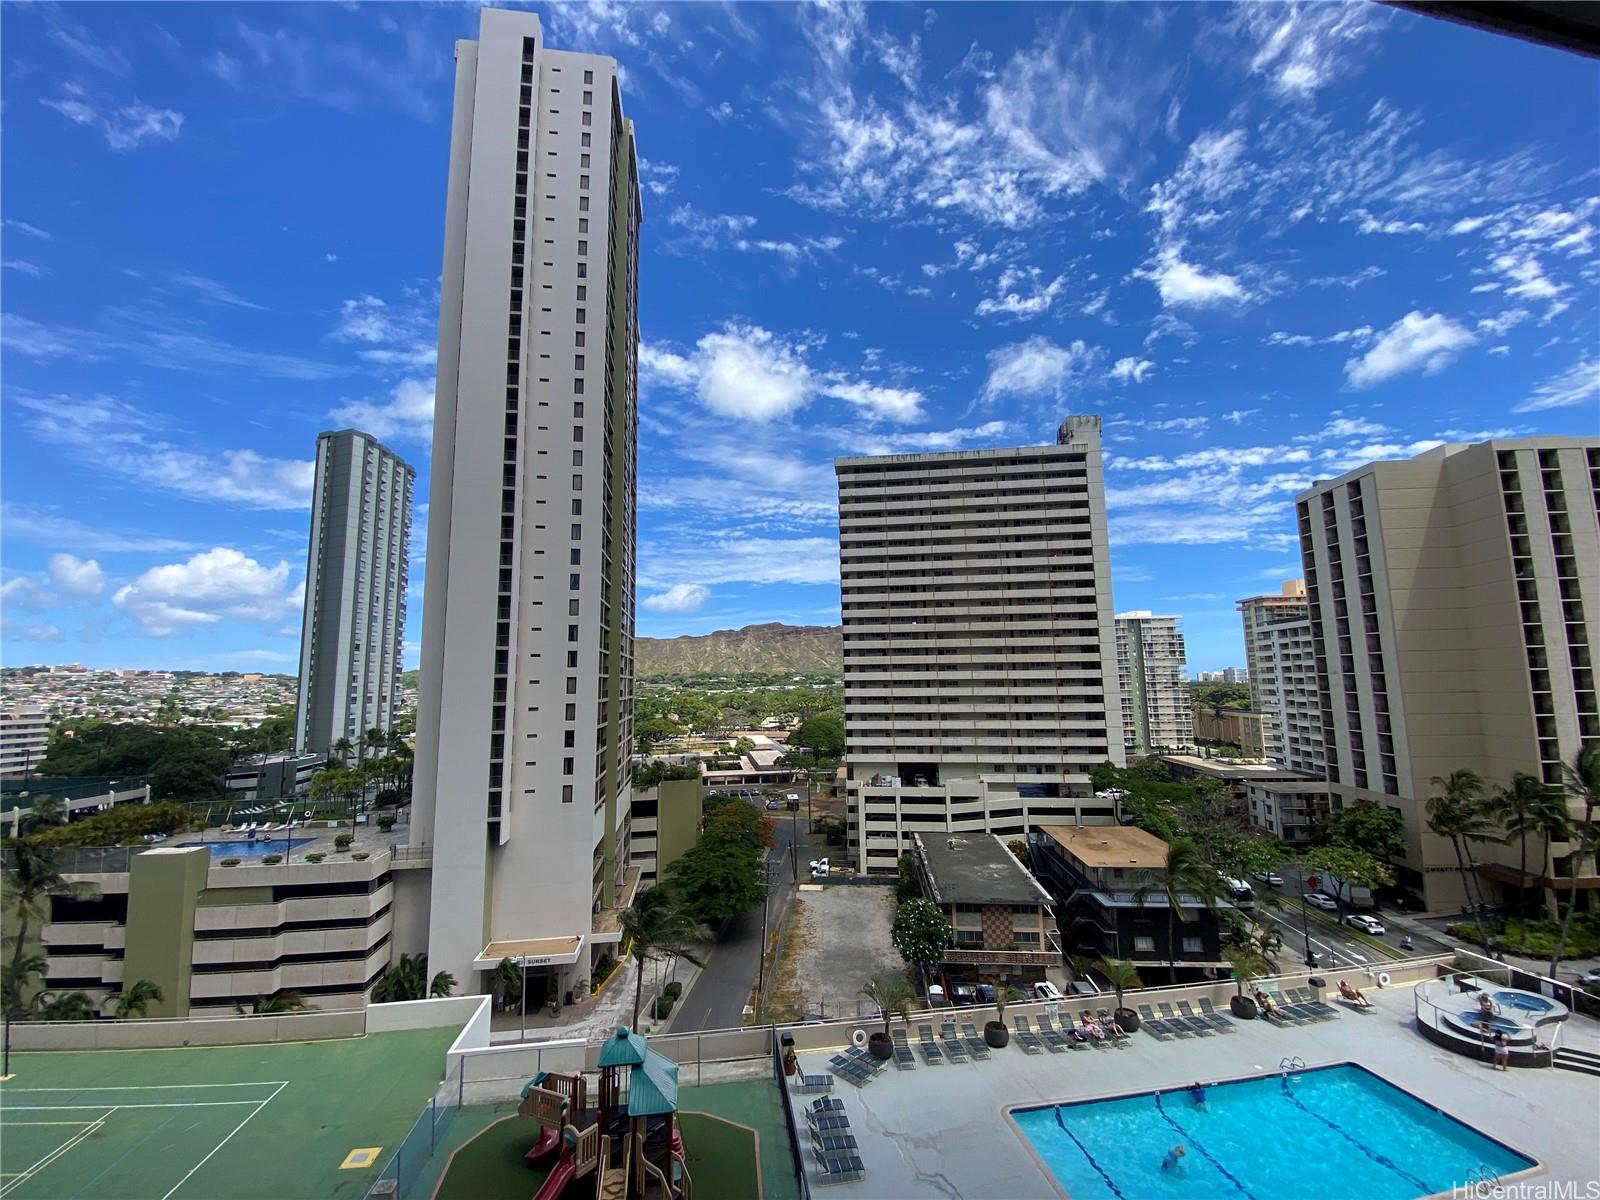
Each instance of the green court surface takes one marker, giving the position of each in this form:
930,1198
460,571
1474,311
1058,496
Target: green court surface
267,1122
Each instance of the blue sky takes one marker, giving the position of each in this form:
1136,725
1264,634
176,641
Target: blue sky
1264,243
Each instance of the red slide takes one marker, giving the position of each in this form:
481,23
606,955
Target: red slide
560,1175
549,1142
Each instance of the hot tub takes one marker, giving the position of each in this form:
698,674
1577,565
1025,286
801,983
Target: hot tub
1471,1022
1529,1006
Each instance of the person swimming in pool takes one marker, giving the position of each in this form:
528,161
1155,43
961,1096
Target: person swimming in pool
1174,1156
1197,1095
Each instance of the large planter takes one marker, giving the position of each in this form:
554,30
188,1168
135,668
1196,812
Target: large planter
1128,1019
996,1035
1242,1007
880,1047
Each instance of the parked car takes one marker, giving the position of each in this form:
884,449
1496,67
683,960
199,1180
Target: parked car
1366,924
936,997
1590,978
819,868
1085,986
1238,889
1270,878
1322,900
963,995
1045,990
773,806
793,797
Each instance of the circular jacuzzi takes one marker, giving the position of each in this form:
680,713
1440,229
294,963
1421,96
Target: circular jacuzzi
1529,1006
1472,1021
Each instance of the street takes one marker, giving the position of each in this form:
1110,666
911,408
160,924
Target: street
718,997
1334,946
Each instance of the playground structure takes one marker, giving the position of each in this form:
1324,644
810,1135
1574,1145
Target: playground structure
629,1141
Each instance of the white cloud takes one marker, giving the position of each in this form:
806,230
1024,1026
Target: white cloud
79,576
364,319
408,413
739,559
211,290
1345,427
1182,284
30,230
25,267
1417,340
679,598
1034,368
1367,223
1347,458
1302,47
1132,370
1034,297
890,404
51,529
124,128
212,586
1237,416
1578,384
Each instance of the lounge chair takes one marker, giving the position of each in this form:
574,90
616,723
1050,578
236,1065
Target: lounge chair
953,1049
976,1046
1027,1038
1194,1026
931,1054
1323,1010
1154,1025
827,1104
1284,1013
1092,1033
814,1083
849,1070
865,1059
829,1122
832,1143
1221,1022
840,1168
903,1058
1054,1040
1114,1031
1191,1016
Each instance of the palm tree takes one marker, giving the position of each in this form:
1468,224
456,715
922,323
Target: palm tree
403,979
507,981
135,999
31,881
657,926
1120,975
1521,809
1248,963
1455,811
443,984
63,1006
891,995
342,750
1581,780
275,1004
1188,876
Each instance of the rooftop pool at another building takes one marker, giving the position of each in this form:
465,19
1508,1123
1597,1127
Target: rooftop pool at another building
251,849
1328,1131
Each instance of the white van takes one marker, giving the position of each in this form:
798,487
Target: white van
1045,990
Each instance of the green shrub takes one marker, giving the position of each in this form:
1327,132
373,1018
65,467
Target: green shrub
342,841
229,862
672,991
386,822
126,825
271,860
1536,938
361,856
663,1006
315,856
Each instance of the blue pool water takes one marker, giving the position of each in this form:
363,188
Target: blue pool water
1525,1001
255,849
1332,1130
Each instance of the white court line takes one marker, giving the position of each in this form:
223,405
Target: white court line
223,1142
78,1107
55,1154
150,1087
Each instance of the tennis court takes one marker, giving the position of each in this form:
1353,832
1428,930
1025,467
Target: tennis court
221,1123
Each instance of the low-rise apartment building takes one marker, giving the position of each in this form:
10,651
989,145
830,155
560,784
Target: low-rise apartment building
666,822
1280,801
24,736
267,777
1002,924
1239,727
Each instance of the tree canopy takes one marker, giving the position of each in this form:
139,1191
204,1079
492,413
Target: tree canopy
920,933
1376,829
823,733
183,762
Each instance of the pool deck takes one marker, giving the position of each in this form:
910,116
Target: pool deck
941,1131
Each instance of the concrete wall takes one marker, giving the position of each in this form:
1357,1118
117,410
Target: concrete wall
426,1014
677,820
217,1031
164,890
411,911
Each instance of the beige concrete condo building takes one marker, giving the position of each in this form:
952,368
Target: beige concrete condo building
1155,694
980,681
525,705
1283,675
1455,608
24,738
353,630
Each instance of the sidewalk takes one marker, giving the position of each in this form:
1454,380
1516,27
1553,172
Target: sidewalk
597,1018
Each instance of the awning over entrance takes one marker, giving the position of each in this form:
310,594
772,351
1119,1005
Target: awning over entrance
532,952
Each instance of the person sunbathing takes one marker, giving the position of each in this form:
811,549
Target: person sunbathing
1264,1002
1353,994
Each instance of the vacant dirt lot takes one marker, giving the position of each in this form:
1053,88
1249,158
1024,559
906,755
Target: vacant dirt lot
840,939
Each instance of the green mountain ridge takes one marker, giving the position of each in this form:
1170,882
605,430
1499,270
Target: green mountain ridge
772,648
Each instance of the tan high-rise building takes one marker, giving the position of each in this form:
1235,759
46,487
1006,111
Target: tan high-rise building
1283,675
980,674
1155,694
1454,601
525,704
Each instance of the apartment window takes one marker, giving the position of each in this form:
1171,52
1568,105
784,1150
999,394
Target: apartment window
969,937
588,76
572,608
583,160
587,119
572,686
577,532
582,316
583,222
577,483
572,712
577,408
566,766
583,292
583,183
572,581
1193,945
577,458
566,793
583,270
577,556
586,139
1143,944
583,204
572,660
577,384
577,433
572,633
588,97
1023,938
577,508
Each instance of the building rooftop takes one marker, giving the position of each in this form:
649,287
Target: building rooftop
1228,768
1109,845
975,870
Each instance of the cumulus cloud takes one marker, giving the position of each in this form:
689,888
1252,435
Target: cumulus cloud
1425,341
1576,385
679,598
1132,370
408,413
211,587
751,374
77,576
1034,368
1182,284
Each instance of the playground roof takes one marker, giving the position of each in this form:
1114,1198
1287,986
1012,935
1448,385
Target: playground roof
653,1086
625,1049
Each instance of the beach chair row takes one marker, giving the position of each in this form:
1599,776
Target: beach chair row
833,1145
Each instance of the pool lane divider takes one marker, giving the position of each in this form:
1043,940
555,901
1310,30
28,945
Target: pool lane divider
1084,1150
1381,1159
1160,1108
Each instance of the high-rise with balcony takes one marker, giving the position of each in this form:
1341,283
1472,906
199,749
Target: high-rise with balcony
525,707
1155,693
980,672
1454,600
352,631
1283,675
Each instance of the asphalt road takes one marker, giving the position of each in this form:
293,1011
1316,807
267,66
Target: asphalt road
718,997
1333,946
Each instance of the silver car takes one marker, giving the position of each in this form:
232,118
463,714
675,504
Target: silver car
1369,925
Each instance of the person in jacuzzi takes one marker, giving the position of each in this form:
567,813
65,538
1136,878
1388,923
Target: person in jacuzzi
1486,1004
1353,994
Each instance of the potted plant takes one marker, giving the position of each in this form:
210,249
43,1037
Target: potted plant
229,862
892,994
1248,963
271,860
1121,976
996,1033
343,841
315,856
791,1064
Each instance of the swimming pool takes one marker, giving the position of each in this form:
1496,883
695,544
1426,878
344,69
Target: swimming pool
261,846
1330,1130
